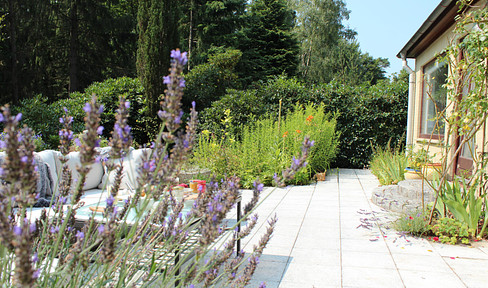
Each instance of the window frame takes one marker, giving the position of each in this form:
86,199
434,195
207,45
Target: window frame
423,122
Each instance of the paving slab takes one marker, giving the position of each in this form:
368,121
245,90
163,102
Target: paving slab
330,234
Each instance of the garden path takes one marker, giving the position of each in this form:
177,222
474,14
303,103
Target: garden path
329,234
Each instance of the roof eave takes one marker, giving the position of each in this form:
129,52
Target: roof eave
441,19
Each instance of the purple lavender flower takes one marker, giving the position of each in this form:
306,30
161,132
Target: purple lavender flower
258,186
80,235
127,104
36,273
110,200
87,108
32,228
1,118
17,230
167,80
18,117
100,130
35,258
101,229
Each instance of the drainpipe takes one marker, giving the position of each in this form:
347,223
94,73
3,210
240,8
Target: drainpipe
411,102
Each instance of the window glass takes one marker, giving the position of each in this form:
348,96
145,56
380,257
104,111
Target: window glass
434,99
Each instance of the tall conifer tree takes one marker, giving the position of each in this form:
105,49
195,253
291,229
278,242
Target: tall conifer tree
158,25
268,44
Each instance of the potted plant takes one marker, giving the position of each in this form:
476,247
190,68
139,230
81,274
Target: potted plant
421,166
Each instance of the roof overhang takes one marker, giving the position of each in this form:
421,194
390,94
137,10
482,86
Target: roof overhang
441,19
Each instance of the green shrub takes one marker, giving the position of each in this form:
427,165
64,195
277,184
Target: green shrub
43,117
219,155
388,164
367,115
244,106
40,117
416,224
208,82
266,147
452,231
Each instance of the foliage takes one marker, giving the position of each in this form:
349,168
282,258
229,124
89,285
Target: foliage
56,50
418,158
210,25
365,115
463,202
246,107
268,43
219,155
348,65
388,164
328,49
416,224
43,117
251,104
157,27
40,116
37,141
266,146
452,231
208,82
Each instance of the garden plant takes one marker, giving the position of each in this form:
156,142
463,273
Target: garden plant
268,146
50,251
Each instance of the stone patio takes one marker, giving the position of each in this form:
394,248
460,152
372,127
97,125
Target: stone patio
329,234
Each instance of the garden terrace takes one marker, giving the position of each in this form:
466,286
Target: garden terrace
329,234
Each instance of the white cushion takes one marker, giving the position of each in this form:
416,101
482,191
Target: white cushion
130,165
94,176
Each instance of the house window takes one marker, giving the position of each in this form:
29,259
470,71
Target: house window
433,100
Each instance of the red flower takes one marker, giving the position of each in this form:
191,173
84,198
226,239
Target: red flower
410,217
436,239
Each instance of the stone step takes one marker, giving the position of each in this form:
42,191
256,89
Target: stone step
404,197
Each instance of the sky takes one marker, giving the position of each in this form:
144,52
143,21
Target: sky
385,26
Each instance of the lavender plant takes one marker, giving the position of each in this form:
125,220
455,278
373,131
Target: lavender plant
149,249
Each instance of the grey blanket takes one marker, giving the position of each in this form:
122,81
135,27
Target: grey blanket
45,181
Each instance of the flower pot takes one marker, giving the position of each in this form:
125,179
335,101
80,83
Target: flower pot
320,176
411,174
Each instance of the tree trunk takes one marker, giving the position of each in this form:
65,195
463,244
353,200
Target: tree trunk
13,46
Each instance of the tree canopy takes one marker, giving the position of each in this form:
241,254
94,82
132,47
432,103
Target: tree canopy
54,48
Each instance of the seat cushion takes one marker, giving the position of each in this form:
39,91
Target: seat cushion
94,177
130,164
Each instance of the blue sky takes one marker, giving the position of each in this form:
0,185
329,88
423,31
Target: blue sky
385,26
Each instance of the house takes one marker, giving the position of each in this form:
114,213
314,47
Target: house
428,94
